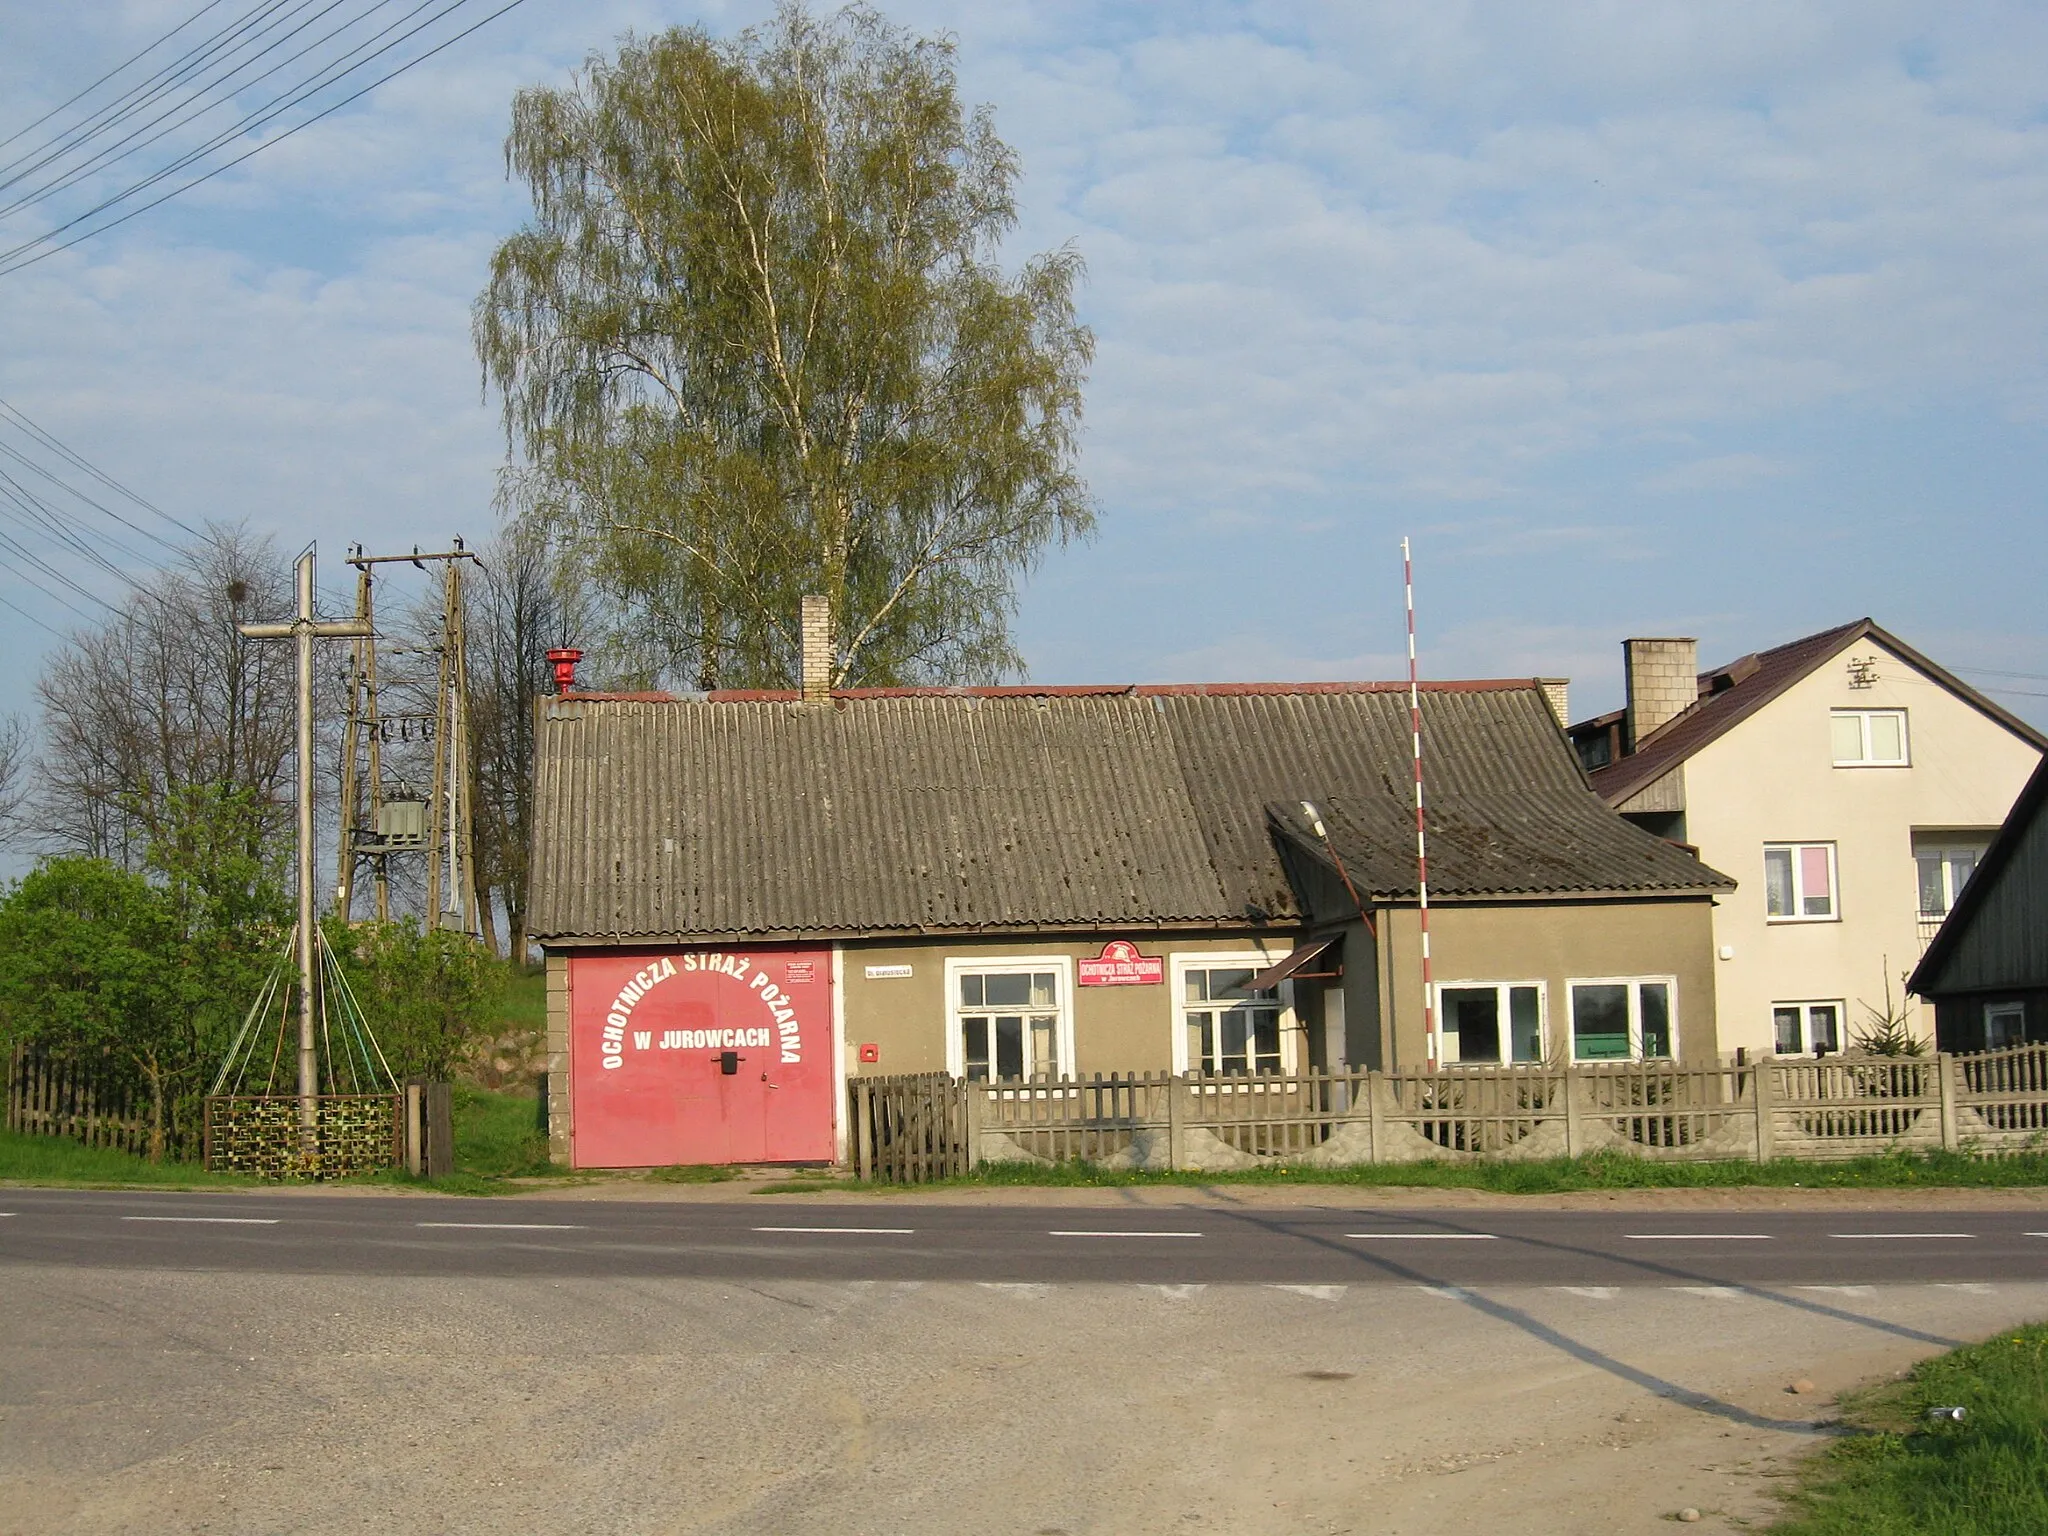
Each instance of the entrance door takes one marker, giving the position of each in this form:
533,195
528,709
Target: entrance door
700,1056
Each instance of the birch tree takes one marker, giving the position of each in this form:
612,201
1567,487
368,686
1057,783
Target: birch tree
756,341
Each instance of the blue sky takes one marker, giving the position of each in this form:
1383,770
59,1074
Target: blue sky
1716,319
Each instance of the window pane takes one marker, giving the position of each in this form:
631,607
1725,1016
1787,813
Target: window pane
1044,989
970,991
1198,986
1010,989
1044,1049
1816,892
1962,863
1823,1027
1848,729
1009,1045
1229,983
2004,1024
1790,1040
1201,1042
1655,1005
1887,738
974,1047
1933,898
1236,1030
1525,1014
1778,882
1265,1039
1599,1021
1471,1024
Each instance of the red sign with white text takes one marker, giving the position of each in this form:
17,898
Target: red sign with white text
701,1056
1120,965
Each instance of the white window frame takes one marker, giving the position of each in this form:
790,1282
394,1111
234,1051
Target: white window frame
1635,985
1834,914
1177,968
1863,718
958,966
1500,989
2007,1010
1945,853
1806,1007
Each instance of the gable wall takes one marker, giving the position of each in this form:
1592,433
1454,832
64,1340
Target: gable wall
1772,779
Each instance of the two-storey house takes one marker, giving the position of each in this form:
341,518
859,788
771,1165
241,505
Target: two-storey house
1847,782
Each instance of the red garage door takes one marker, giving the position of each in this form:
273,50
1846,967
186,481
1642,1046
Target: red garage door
701,1056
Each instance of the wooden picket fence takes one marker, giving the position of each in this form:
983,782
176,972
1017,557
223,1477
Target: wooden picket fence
913,1129
52,1095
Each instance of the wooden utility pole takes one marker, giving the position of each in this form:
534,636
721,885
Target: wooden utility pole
303,629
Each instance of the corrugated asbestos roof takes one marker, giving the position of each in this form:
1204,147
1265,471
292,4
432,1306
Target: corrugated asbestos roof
1023,809
1731,694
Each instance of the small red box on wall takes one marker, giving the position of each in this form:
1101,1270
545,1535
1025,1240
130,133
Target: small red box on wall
871,1053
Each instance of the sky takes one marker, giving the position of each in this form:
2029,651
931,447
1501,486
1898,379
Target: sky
1721,320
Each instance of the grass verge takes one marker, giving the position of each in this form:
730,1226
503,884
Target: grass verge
1562,1175
1901,1472
54,1160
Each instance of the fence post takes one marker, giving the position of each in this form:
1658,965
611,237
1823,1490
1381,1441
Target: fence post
977,1112
863,1129
1945,1075
414,1159
1766,1080
1176,1123
1574,1137
1375,1126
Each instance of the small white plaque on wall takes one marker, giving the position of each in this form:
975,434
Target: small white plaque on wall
887,972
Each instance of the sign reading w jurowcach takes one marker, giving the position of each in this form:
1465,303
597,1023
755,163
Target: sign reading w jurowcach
1120,965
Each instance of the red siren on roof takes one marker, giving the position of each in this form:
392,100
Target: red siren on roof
564,659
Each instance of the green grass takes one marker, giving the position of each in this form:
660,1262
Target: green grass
1899,1474
60,1161
524,1003
1551,1176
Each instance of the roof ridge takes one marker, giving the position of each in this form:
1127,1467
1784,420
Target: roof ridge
1064,691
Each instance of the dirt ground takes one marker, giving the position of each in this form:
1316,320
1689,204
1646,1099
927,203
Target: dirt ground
158,1401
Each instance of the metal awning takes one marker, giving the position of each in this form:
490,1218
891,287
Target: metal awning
1297,962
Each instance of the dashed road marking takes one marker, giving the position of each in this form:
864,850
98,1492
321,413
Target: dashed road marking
1717,1292
1590,1292
1901,1234
856,1231
1840,1290
1428,1236
225,1221
1700,1237
1314,1292
1030,1288
1178,1292
1094,1233
1448,1292
506,1226
1969,1287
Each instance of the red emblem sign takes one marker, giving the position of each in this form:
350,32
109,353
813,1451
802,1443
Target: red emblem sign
1120,965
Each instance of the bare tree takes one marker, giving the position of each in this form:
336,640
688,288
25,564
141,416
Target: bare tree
518,612
168,697
17,766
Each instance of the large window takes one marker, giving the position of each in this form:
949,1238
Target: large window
1622,1018
1226,1029
1489,1023
2005,1024
1869,738
1799,882
1945,868
1801,1027
1010,1018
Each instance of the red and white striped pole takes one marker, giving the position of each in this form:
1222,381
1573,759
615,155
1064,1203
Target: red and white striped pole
1421,834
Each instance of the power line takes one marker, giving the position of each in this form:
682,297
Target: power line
133,58
79,462
27,254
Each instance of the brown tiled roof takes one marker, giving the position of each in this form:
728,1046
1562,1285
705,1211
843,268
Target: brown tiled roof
1730,694
1030,809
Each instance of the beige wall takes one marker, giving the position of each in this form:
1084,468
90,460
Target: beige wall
1772,779
1116,1029
1553,943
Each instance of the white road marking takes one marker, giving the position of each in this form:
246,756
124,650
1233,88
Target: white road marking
1122,1234
228,1221
1972,1287
1316,1292
1030,1288
1448,1292
1718,1292
1590,1292
2034,1234
1901,1234
1178,1292
506,1226
1700,1237
858,1231
1840,1290
1448,1237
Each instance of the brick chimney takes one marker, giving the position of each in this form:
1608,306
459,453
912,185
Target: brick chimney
1663,679
1557,694
816,665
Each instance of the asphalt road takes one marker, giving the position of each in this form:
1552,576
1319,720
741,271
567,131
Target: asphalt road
770,1239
